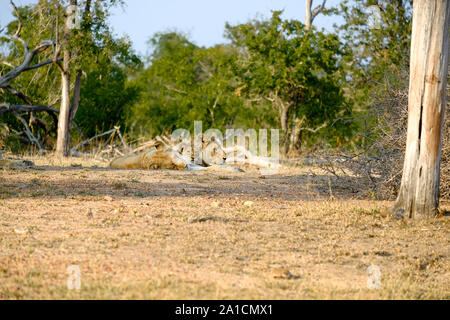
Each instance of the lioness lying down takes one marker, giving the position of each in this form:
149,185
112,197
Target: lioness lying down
164,157
154,159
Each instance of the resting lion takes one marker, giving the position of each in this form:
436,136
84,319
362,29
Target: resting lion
154,159
164,157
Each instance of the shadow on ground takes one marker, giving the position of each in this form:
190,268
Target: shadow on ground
61,182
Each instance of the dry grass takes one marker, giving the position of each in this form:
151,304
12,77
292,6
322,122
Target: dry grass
378,163
184,235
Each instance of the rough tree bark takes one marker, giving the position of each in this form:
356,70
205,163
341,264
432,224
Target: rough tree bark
69,107
419,192
75,104
63,139
296,137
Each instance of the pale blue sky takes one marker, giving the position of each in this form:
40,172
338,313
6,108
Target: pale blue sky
202,20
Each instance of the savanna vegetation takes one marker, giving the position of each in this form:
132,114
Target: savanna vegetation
272,73
339,98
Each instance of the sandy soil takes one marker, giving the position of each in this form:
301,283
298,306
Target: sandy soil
210,235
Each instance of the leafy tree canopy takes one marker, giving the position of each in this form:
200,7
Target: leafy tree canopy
105,60
301,71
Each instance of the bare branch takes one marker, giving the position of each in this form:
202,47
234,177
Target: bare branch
42,64
25,66
28,132
29,55
5,107
299,128
168,87
6,63
318,10
74,149
314,130
121,138
19,94
16,36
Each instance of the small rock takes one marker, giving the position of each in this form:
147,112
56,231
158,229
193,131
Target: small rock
242,258
20,231
249,203
215,204
283,273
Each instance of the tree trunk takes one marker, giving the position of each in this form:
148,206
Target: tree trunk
285,119
308,14
62,145
285,127
75,105
77,86
311,13
296,136
63,139
419,192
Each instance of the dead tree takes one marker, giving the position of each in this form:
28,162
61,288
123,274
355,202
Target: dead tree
26,65
419,191
68,108
311,13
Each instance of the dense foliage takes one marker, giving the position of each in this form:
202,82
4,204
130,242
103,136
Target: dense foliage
319,88
301,72
271,73
106,62
185,83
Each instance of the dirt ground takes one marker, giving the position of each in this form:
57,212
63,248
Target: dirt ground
209,235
